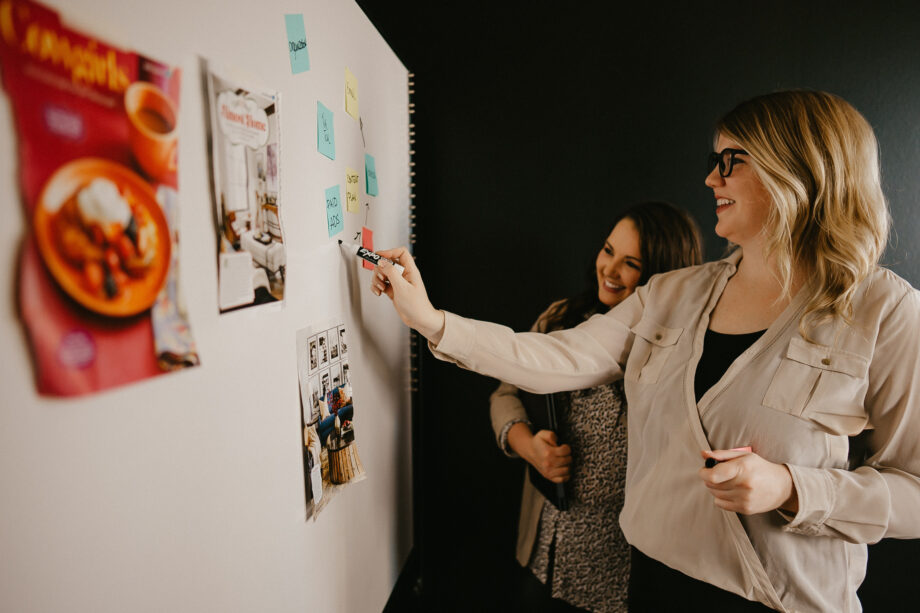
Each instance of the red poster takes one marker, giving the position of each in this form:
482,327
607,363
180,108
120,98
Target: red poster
98,144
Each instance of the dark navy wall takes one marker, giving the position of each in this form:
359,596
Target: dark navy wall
535,123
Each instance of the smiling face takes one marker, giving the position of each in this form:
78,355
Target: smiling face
742,201
619,264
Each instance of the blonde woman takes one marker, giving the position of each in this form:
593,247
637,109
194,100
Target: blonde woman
762,364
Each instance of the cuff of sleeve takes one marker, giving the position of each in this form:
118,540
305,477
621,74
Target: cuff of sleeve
816,496
457,341
503,437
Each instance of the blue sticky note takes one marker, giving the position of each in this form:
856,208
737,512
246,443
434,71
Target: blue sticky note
325,131
297,43
370,171
335,220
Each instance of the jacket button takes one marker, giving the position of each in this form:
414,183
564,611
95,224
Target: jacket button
826,361
658,337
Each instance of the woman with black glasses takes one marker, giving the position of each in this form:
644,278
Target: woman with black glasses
746,376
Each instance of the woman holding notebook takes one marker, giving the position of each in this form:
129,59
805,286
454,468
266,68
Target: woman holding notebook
577,558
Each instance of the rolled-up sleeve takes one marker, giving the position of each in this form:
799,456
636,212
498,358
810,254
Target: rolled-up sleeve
881,498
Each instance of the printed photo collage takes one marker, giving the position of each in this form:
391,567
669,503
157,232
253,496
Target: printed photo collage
330,453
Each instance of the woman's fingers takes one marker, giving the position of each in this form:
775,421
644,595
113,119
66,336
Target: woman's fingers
378,285
401,256
747,483
406,290
552,461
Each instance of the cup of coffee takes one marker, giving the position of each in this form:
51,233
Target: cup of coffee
152,119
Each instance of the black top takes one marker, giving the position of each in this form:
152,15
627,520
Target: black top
719,351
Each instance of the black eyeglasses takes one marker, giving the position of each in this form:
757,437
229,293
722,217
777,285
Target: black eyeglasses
725,160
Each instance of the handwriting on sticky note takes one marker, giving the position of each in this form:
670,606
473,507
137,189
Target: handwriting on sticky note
351,94
334,218
297,43
370,171
351,190
325,131
367,241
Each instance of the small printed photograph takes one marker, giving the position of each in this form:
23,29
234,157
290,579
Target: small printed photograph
331,459
323,350
342,345
314,361
313,400
333,343
336,373
325,384
313,466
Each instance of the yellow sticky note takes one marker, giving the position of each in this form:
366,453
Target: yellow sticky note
351,190
351,93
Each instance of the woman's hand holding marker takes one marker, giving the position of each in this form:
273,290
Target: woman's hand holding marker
408,293
745,483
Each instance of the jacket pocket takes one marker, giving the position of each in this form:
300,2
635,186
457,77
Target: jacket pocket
651,349
821,384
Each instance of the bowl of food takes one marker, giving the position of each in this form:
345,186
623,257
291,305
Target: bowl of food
103,236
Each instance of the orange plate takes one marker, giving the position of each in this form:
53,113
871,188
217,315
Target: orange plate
137,294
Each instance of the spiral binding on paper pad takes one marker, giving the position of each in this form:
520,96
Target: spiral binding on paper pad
415,338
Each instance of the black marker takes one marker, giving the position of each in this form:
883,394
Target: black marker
369,256
710,462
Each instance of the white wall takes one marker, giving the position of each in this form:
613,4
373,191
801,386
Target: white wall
186,492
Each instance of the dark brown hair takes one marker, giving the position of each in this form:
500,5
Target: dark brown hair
668,239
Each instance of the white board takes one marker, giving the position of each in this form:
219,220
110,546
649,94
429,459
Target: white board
185,492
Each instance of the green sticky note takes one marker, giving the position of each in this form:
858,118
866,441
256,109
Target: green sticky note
297,43
370,171
335,220
325,131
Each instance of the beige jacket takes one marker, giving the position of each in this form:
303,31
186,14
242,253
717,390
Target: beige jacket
793,401
504,407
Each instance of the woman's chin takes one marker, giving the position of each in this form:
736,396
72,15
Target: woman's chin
611,299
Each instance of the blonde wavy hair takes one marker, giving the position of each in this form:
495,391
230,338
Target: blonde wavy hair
817,156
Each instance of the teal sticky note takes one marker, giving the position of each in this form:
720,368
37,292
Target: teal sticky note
325,131
335,220
297,43
370,171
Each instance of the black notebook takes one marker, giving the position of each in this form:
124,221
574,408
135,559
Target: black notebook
541,411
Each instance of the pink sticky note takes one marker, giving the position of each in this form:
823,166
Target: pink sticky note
367,241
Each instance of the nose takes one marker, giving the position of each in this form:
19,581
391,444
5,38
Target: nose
714,179
611,269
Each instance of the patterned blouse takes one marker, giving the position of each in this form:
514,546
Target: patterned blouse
590,556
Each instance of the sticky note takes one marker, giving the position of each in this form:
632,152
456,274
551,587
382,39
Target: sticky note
297,43
334,218
351,94
367,241
351,190
370,171
325,131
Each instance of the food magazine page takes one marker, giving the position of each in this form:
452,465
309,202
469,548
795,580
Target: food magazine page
98,283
